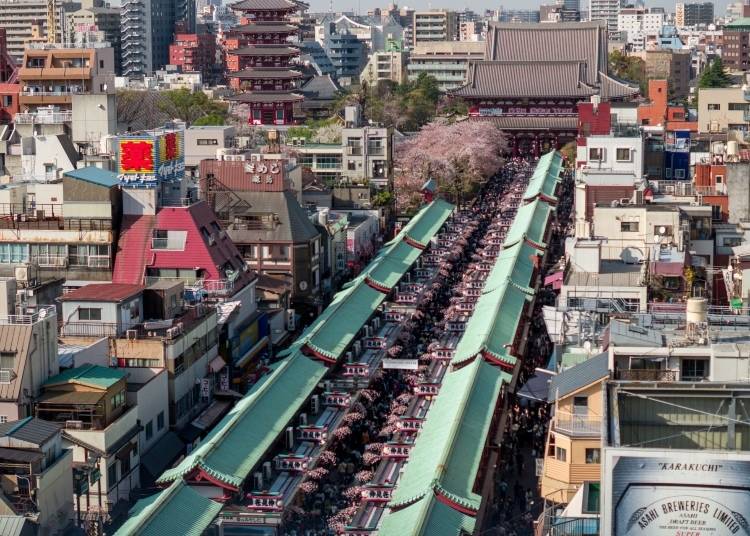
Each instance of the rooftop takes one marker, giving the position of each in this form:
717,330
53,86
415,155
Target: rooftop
105,292
88,375
611,274
94,175
30,430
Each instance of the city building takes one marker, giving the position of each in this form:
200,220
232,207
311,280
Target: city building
382,66
641,25
607,11
672,65
17,17
375,33
195,53
274,235
148,27
734,52
446,61
95,24
519,15
722,109
259,60
693,14
347,53
434,25
37,475
52,74
534,76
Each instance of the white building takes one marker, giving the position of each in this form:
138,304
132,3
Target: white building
622,154
606,10
639,24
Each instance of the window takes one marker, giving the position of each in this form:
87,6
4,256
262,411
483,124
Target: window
125,465
732,241
351,165
8,360
623,154
208,142
593,456
3,419
14,253
160,421
149,430
112,474
580,405
737,106
561,454
679,173
596,153
714,107
89,313
719,179
694,369
170,240
118,400
279,115
629,226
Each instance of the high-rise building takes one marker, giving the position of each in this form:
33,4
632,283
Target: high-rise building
606,10
95,24
518,15
435,25
693,14
194,53
148,27
19,16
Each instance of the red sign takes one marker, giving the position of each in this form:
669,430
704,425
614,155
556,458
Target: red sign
136,156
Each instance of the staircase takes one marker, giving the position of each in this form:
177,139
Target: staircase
132,247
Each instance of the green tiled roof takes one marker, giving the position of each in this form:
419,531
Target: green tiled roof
546,176
392,263
428,221
493,323
335,329
176,511
530,223
445,458
739,23
427,516
235,445
91,375
514,263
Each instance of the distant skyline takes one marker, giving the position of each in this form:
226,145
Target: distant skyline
477,5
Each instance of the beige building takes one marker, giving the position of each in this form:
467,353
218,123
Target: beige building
95,24
446,61
722,109
384,66
572,453
672,65
434,25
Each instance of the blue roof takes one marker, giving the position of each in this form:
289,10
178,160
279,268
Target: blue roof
94,175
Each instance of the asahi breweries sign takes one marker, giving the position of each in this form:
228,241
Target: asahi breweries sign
659,497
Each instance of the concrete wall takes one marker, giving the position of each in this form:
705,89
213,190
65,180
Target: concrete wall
717,120
610,144
55,495
94,116
738,189
150,400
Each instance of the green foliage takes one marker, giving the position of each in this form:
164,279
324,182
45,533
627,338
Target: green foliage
628,68
714,76
211,119
191,106
300,132
382,199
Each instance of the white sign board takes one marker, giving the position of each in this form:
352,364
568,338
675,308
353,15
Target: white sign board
402,364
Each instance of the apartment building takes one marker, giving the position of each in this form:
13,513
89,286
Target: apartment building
693,14
735,51
672,65
382,66
722,109
37,475
195,53
446,61
50,74
639,24
95,24
606,10
17,17
434,25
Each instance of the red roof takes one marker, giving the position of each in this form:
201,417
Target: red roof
106,292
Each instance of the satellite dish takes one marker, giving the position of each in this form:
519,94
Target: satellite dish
43,313
662,230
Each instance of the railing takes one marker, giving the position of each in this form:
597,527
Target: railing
57,46
55,261
579,526
647,375
579,424
31,317
36,93
41,118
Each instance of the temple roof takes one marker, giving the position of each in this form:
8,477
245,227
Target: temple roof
266,73
264,50
267,96
533,122
526,79
582,41
266,5
258,27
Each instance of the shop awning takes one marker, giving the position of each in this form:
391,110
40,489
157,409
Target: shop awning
252,352
212,414
216,364
537,387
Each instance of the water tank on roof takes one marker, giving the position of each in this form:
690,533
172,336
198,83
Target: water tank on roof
697,310
732,148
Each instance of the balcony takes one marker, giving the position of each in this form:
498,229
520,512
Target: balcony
578,425
43,118
647,375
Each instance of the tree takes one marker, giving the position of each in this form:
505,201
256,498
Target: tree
191,106
628,68
458,155
714,76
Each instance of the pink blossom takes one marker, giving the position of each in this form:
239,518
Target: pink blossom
352,417
318,473
327,457
370,458
363,476
374,447
308,487
353,493
342,432
369,394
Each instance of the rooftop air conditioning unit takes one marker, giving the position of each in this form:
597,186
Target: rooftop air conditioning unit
349,357
258,480
315,404
303,419
267,471
289,437
357,347
131,334
74,425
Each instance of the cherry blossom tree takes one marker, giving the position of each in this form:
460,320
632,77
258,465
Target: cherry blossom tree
459,155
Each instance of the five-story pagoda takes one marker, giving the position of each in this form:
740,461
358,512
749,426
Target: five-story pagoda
260,55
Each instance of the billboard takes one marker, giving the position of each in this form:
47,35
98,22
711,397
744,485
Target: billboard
687,493
150,157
